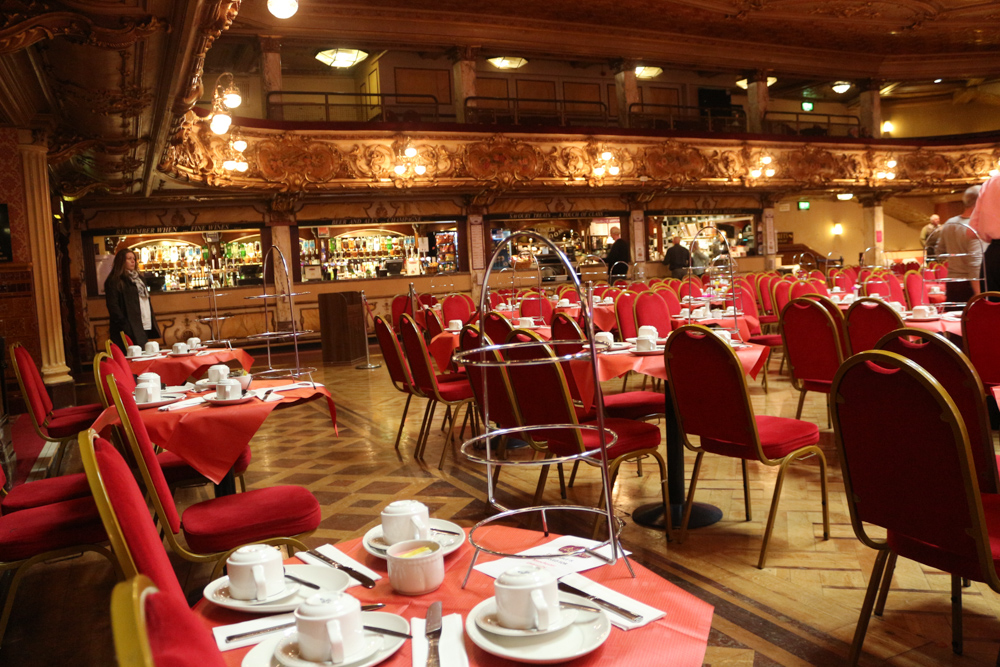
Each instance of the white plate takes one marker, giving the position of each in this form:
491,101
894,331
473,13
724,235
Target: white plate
373,544
287,651
659,341
452,330
647,353
619,346
533,326
204,384
165,399
145,355
190,353
328,579
262,655
921,319
247,396
585,635
487,621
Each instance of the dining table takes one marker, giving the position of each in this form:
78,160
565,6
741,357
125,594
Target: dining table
679,638
192,433
175,369
943,324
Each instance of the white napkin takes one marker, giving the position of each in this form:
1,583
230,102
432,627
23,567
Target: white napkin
223,631
649,614
451,646
204,352
180,388
295,385
180,405
336,555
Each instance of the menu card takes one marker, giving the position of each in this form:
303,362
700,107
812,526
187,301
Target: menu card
561,563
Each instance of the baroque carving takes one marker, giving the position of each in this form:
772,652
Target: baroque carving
674,162
295,162
503,161
923,167
28,23
815,166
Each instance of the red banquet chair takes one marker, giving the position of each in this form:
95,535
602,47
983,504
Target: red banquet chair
700,364
908,470
458,307
765,297
980,324
625,315
496,326
670,298
213,528
819,286
876,285
941,271
867,321
155,629
126,377
844,282
813,346
399,372
781,294
802,288
537,306
916,289
651,310
689,287
772,341
56,425
896,291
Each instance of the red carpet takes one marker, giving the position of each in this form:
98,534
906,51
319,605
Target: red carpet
27,444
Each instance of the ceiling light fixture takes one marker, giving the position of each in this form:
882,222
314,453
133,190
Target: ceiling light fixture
507,62
644,72
771,80
841,87
887,127
845,196
282,9
937,80
838,229
341,58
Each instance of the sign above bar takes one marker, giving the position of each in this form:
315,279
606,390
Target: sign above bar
175,229
553,215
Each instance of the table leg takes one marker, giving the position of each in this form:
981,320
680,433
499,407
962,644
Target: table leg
652,515
227,485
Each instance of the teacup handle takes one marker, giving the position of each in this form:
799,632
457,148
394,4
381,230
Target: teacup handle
423,530
541,608
260,581
336,641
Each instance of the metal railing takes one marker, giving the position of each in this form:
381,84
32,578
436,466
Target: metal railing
688,119
352,107
530,111
811,124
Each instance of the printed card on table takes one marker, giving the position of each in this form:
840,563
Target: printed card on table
561,563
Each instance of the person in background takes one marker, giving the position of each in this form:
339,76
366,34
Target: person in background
699,259
129,307
677,259
925,234
985,219
956,239
619,252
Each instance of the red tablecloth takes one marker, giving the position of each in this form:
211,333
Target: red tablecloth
444,345
604,316
942,325
175,370
679,639
211,437
745,323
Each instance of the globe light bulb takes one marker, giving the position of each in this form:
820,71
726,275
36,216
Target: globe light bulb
241,166
755,173
606,155
282,9
614,170
400,169
769,173
598,171
420,169
220,123
410,152
232,98
766,159
229,165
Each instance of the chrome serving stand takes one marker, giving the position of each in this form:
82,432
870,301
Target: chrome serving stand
368,365
726,266
957,305
483,356
215,320
611,272
268,336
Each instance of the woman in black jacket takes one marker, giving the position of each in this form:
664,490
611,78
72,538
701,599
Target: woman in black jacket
129,306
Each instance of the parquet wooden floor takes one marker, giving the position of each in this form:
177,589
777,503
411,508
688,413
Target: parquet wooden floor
800,610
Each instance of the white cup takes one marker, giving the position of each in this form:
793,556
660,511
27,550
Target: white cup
921,311
644,343
597,300
525,322
725,335
133,351
180,348
848,298
218,372
244,380
648,331
228,389
255,572
455,325
563,303
416,567
152,347
329,628
527,598
717,312
404,520
604,337
147,392
897,306
684,313
193,343
835,297
151,378
608,301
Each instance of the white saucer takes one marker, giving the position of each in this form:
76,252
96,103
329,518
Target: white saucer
922,319
247,396
287,652
146,355
619,346
262,655
165,399
659,341
373,544
452,330
204,384
585,635
189,353
533,326
647,353
327,578
487,621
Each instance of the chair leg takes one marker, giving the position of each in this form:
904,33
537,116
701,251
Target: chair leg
540,488
781,366
562,480
956,614
689,503
447,439
427,430
465,422
802,400
423,426
764,380
572,474
746,490
866,608
57,459
883,593
447,416
402,421
243,483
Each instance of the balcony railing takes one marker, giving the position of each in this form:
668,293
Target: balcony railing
811,124
686,119
528,111
352,107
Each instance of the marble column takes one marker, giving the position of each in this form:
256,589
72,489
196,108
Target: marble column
38,212
873,229
270,68
463,79
770,248
758,99
281,238
626,89
870,109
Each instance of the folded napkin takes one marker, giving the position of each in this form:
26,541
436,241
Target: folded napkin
451,646
338,556
295,385
204,352
180,405
649,614
223,631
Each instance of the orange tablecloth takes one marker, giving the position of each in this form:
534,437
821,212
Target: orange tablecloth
175,370
211,437
678,639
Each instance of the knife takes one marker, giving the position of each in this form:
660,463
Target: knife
566,588
433,634
291,624
363,579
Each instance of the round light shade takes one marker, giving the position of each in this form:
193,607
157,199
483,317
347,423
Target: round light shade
887,126
231,97
220,123
507,62
342,58
643,72
420,169
845,196
239,145
838,229
771,80
229,165
282,9
241,165
410,152
841,87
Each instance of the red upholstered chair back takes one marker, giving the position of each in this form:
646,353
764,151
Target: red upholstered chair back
816,274
638,287
36,397
417,356
502,409
127,378
701,364
863,275
134,538
802,288
916,289
427,300
400,304
565,327
537,306
650,310
689,287
905,458
457,307
432,323
395,362
599,290
781,294
843,281
570,294
495,299
621,282
106,366
812,340
143,451
748,304
625,314
496,327
946,364
980,327
877,286
670,298
765,293
675,285
867,321
837,316
941,271
896,291
819,286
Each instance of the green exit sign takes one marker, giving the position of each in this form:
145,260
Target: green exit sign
807,106
803,206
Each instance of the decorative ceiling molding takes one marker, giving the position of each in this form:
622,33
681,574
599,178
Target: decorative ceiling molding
28,23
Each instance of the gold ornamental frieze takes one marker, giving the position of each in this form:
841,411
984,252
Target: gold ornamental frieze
675,163
818,167
503,161
294,161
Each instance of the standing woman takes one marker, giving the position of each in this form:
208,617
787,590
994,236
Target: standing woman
129,307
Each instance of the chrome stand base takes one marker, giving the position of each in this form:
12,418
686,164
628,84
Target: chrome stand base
368,367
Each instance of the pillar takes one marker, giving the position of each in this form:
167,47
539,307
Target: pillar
873,229
281,238
38,213
758,98
463,79
626,89
770,246
270,68
870,110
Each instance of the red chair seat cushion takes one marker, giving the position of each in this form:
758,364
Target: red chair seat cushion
821,386
768,319
779,436
223,523
771,340
39,529
45,492
455,391
452,377
177,636
634,404
632,436
64,423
